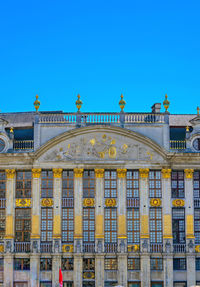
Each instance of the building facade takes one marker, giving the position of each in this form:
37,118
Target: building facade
110,198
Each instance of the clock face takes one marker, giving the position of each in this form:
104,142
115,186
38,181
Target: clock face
2,145
196,144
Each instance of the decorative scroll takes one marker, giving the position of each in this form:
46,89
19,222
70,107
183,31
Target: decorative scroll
110,202
23,202
155,202
178,202
47,202
88,202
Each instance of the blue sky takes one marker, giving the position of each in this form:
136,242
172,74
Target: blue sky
100,49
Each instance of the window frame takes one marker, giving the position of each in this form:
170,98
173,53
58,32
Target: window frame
108,232
110,184
154,223
47,264
90,223
48,232
47,191
22,222
23,181
177,192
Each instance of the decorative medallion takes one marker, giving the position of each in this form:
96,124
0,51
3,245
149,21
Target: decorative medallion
155,202
36,172
88,275
133,248
166,173
99,172
144,172
10,173
23,202
112,152
1,248
121,173
110,202
88,202
178,202
189,173
47,202
197,248
78,172
67,248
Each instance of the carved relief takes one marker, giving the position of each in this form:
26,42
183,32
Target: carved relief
47,202
23,202
36,172
155,202
178,202
110,202
88,202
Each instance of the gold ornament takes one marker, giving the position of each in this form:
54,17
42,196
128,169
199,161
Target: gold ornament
78,103
88,275
166,173
36,103
178,202
189,173
198,111
187,129
67,248
122,103
166,103
121,172
88,202
10,173
78,172
47,202
197,248
133,248
99,172
57,172
155,202
112,152
23,202
110,202
144,172
36,172
1,248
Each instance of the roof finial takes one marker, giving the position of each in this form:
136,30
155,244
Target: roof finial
166,103
122,103
36,103
198,111
78,103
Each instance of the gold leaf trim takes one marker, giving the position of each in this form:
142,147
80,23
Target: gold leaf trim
178,202
144,172
88,202
155,202
189,173
36,172
67,248
78,172
99,172
166,173
57,172
47,202
23,202
121,172
10,173
110,202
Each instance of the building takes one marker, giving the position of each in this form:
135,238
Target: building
112,198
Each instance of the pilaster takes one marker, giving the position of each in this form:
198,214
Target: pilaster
99,270
168,270
78,195
56,264
78,270
99,211
8,270
35,270
145,273
122,270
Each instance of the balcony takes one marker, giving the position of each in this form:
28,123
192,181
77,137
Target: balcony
23,247
2,202
179,248
89,247
67,202
177,145
133,202
197,202
156,247
110,247
23,145
46,247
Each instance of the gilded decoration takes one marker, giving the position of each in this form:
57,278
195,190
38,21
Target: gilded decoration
10,173
36,172
155,202
110,202
67,248
167,226
144,226
88,275
189,173
166,173
121,173
23,202
190,226
144,172
78,172
197,248
99,172
88,202
133,248
178,202
57,172
1,248
47,202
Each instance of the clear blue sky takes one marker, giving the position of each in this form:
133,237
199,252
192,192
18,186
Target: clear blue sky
99,49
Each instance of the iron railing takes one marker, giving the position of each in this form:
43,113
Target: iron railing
23,145
22,247
179,248
178,145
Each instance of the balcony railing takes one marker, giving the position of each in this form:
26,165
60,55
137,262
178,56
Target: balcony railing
133,202
23,145
67,202
22,247
2,203
197,202
179,248
89,247
110,247
178,145
156,247
46,247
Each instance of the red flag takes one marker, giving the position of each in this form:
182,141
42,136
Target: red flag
60,278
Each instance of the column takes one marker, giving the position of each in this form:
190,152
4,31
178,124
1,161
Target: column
57,209
35,270
56,264
122,235
167,228
144,227
99,231
189,214
8,270
78,270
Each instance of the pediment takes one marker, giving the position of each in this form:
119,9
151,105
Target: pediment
101,145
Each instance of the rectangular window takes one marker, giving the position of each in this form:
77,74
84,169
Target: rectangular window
67,264
45,284
88,284
196,182
22,224
180,284
198,263
179,264
88,183
45,264
110,264
155,189
110,225
67,224
88,264
156,264
21,264
134,284
2,184
2,223
178,225
133,263
88,224
110,181
67,284
47,183
23,184
132,184
20,284
156,284
197,225
68,184
155,225
1,264
133,225
46,224
177,180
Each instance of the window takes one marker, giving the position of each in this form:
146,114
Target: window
1,264
67,284
134,284
88,183
23,184
156,284
2,223
196,181
133,263
67,264
177,184
21,264
198,263
110,264
156,264
45,264
88,284
88,264
110,284
110,225
155,222
47,224
45,284
178,225
2,184
179,264
68,183
110,184
180,284
197,225
88,224
67,224
133,225
47,183
132,184
22,224
155,184
20,284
